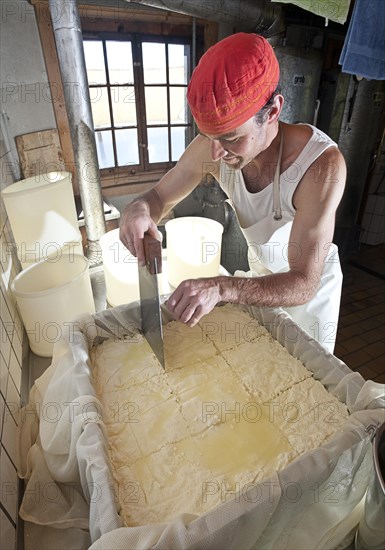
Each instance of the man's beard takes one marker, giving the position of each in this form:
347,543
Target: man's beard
236,165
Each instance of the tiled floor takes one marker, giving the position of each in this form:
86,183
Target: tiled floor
361,332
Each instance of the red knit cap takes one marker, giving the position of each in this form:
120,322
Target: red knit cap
232,82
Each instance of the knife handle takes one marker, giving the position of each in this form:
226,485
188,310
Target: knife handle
153,254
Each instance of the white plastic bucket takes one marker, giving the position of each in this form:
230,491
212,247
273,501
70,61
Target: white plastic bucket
193,248
50,294
121,271
42,213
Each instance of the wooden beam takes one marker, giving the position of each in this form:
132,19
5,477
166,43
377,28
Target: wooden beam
47,38
119,14
210,34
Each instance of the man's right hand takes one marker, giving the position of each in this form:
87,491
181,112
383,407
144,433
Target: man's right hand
134,223
138,217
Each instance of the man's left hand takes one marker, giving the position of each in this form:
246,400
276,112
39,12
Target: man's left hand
193,299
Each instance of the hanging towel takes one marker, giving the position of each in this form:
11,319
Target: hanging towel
363,52
336,10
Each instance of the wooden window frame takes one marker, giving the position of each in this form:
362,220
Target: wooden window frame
104,19
140,86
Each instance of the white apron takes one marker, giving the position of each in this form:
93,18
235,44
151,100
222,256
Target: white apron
268,240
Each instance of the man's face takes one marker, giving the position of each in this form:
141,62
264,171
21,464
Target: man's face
240,146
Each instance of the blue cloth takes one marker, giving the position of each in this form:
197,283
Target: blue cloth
363,53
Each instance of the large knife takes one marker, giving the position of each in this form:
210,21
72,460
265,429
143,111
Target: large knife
149,296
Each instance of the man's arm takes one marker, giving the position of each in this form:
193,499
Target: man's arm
144,213
316,200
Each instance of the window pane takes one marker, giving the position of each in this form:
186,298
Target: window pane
93,52
157,144
119,59
178,105
127,147
123,106
105,149
156,104
100,107
178,142
154,62
178,62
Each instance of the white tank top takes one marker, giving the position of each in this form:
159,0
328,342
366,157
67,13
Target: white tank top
266,218
253,207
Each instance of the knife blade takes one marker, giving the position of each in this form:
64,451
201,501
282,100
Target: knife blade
149,296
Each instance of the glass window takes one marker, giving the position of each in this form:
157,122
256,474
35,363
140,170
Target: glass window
156,104
100,107
178,105
138,98
154,63
157,145
178,63
178,142
124,105
127,147
105,149
120,65
93,53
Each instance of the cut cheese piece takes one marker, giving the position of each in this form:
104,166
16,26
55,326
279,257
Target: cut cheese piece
209,393
149,417
163,485
229,326
184,345
126,363
307,408
265,368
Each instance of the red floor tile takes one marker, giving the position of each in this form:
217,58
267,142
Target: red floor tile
360,341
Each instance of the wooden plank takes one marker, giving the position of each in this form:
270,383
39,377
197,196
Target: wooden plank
120,14
127,189
149,27
47,39
40,152
210,34
123,176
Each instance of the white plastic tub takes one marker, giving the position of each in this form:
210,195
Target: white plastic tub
315,502
49,295
121,271
42,213
193,248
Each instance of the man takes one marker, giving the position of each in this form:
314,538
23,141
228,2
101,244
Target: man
284,182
